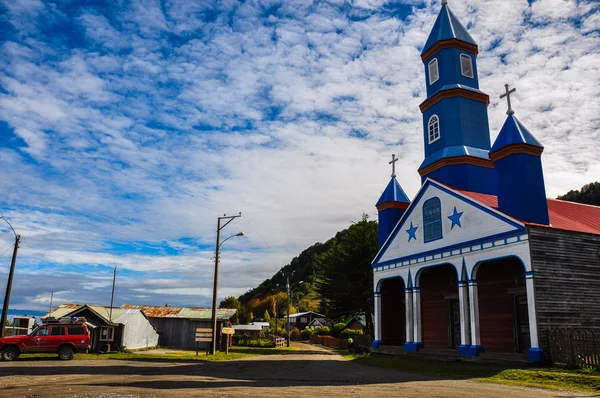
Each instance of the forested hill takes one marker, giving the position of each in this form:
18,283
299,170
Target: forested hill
304,268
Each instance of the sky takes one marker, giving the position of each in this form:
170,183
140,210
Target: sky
128,127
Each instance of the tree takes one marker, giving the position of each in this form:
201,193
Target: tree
232,302
267,317
589,194
346,278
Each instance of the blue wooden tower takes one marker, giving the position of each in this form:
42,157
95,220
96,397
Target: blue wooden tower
455,120
391,206
517,159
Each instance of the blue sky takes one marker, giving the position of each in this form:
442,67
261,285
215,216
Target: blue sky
127,127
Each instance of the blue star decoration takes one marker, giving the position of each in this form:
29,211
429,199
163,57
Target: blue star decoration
455,218
412,232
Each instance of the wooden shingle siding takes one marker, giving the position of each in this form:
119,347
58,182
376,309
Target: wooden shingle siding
567,279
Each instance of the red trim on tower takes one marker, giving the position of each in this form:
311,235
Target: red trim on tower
450,43
515,149
454,92
392,205
465,159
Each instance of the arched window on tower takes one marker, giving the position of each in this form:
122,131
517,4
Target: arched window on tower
432,220
466,65
434,73
433,127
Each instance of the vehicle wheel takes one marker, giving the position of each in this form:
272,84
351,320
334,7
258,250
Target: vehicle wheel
65,353
10,353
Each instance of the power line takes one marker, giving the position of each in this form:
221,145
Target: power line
4,252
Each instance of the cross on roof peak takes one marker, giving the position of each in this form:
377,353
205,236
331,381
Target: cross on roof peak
507,95
393,163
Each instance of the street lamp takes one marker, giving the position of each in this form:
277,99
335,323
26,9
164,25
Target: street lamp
216,279
289,288
10,279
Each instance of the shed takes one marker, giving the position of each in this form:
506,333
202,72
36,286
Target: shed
177,325
129,327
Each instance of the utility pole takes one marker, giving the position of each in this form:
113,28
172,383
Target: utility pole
51,299
216,278
10,280
112,297
287,285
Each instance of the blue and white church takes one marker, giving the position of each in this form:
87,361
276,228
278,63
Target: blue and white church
480,260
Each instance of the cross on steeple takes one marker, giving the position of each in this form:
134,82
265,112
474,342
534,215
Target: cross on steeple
393,163
507,95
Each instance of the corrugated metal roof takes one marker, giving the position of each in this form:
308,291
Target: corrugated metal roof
568,216
119,315
62,310
182,312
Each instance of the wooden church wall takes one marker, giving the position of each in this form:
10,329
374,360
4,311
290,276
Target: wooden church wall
567,279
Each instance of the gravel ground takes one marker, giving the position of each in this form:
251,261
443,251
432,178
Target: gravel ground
308,372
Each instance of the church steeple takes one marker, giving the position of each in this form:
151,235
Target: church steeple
517,159
455,121
391,205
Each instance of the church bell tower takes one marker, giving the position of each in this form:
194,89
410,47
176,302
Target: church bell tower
455,120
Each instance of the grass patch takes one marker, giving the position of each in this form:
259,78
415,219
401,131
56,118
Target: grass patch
552,378
172,356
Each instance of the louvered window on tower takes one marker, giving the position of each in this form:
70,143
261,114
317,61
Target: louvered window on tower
434,129
432,220
434,74
466,65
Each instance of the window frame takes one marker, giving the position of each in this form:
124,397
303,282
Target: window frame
106,337
439,132
437,70
429,224
463,55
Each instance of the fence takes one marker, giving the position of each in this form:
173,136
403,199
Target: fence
575,347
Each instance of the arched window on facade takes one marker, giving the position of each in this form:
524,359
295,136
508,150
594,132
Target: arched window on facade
432,219
434,73
433,127
466,65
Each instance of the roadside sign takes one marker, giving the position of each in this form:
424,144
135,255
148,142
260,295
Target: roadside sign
228,331
204,335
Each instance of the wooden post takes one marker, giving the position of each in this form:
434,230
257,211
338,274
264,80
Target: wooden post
226,344
197,347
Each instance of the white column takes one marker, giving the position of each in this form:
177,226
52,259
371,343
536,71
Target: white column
463,302
417,337
408,296
474,304
377,301
533,327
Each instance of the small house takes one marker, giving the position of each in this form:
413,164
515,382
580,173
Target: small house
301,320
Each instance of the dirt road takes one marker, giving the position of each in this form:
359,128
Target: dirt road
309,372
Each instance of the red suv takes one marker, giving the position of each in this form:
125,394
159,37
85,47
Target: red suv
64,337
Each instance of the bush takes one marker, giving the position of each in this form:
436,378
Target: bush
306,333
337,329
323,331
350,333
295,334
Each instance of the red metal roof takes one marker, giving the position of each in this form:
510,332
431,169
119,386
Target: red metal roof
569,216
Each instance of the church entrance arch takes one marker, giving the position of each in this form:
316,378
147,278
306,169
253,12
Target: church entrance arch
503,316
440,311
393,310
